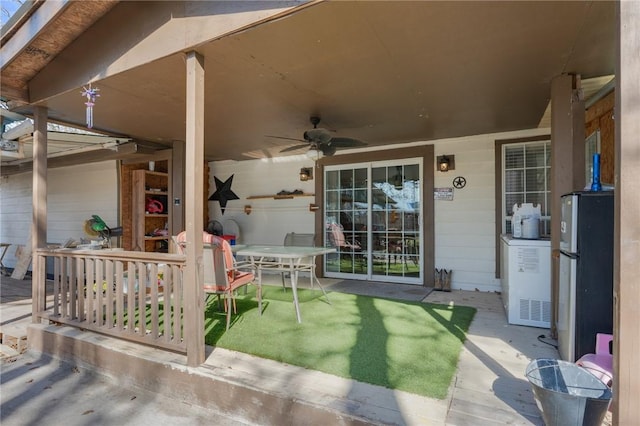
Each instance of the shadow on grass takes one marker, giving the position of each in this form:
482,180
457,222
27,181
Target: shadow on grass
401,345
370,347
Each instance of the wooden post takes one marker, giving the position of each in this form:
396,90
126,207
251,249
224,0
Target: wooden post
39,215
626,280
567,164
194,153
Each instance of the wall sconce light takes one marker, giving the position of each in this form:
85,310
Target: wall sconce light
306,173
446,162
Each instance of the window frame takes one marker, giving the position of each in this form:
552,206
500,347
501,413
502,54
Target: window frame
500,216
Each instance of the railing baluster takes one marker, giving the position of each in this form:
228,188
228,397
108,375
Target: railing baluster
168,297
131,301
119,295
177,304
64,279
56,285
108,279
81,289
96,285
153,292
73,296
88,289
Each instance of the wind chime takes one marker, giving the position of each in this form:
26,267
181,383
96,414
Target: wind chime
91,94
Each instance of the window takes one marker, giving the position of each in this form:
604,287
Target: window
526,172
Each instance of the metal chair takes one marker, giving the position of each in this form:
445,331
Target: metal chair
228,278
215,283
302,240
347,249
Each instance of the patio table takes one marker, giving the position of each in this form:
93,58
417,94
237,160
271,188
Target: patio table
284,258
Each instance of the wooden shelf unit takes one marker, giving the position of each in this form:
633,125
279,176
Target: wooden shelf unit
155,185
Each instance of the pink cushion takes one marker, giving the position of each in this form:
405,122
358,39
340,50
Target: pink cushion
206,237
226,250
600,365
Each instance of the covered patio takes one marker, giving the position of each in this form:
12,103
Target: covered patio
217,81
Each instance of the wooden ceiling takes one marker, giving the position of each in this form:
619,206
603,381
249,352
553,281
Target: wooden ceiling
381,72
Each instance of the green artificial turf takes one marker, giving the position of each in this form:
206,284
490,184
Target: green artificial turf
401,345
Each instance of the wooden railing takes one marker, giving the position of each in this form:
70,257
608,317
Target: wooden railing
133,296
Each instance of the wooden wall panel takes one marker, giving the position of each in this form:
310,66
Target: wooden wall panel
126,204
601,116
607,138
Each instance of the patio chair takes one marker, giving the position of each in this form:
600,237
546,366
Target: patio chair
338,240
600,364
228,278
208,278
303,240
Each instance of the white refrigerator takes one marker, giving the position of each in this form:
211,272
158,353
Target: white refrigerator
585,287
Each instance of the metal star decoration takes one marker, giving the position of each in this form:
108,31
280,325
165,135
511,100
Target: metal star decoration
223,193
459,182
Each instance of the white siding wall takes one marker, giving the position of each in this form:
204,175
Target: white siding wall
464,227
270,220
74,194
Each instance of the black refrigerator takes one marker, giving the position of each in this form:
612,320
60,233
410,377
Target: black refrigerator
585,292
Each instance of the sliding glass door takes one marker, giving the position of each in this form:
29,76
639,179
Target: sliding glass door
372,214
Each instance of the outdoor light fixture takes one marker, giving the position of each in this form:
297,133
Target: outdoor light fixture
306,173
446,163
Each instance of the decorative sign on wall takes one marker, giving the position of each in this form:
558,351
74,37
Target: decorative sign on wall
223,193
445,194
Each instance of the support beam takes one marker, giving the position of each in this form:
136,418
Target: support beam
626,280
194,175
567,163
39,214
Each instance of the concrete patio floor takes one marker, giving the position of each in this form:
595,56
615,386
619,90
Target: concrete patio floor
489,387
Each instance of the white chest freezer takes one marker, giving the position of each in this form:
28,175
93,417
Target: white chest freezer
525,275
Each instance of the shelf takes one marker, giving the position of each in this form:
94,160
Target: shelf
148,185
280,197
154,173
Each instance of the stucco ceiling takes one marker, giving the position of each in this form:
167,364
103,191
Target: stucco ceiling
381,72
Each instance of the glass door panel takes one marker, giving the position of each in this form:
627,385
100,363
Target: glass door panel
396,236
346,218
374,227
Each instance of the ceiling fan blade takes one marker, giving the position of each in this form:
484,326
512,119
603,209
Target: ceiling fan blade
285,138
317,135
339,142
295,147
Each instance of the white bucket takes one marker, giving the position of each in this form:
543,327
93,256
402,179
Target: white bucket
526,221
531,228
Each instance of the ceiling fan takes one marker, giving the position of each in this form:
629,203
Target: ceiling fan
321,140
